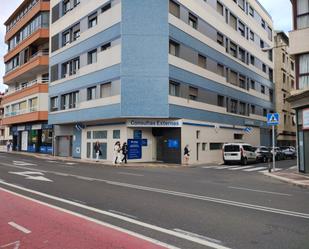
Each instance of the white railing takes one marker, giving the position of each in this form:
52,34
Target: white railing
22,111
27,85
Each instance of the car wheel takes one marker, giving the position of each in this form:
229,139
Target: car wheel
244,161
225,162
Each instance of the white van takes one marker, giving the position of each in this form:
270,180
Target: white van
238,152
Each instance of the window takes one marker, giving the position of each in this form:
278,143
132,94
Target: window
65,38
198,134
66,6
293,84
252,83
105,46
70,67
54,105
174,48
270,55
174,9
283,78
220,69
251,35
241,4
69,101
262,44
202,61
284,98
106,90
271,95
238,136
204,146
220,8
75,32
242,81
242,55
116,134
262,89
99,134
220,101
33,104
220,39
304,71
106,7
252,59
193,92
91,93
233,49
284,118
292,65
192,21
174,89
233,77
242,108
264,112
263,23
215,146
302,14
76,2
251,11
92,20
233,21
283,57
252,109
241,28
92,56
264,68
234,106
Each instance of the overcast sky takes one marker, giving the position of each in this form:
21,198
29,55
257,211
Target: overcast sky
280,10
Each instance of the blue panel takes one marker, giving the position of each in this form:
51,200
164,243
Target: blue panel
134,148
76,153
189,41
85,81
195,114
86,45
187,77
145,37
84,115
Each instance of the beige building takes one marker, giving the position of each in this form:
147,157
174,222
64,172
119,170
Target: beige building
285,83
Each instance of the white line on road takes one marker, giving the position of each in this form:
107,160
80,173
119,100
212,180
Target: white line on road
241,167
223,167
16,243
19,227
21,163
85,178
259,191
78,201
129,174
198,236
209,167
255,169
124,214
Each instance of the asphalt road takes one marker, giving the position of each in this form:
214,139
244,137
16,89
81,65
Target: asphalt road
202,207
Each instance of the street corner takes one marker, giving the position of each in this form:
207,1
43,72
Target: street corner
26,223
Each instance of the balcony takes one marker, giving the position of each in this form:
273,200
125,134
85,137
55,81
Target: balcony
299,41
27,89
25,115
37,64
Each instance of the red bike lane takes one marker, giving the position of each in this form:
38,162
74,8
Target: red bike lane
26,224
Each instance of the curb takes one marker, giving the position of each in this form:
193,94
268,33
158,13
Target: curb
284,179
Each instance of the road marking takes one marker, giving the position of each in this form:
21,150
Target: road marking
223,167
123,214
259,191
255,169
78,201
32,175
117,216
241,167
19,227
70,163
209,167
22,163
198,236
154,241
129,174
16,243
85,178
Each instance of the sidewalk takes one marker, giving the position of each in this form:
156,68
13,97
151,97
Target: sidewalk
291,176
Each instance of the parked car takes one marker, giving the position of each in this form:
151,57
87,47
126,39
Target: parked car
288,151
279,155
238,152
263,154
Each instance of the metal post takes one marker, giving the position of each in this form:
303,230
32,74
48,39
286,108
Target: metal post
274,156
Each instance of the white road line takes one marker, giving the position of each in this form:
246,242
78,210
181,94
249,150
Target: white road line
198,236
255,169
241,167
78,201
259,191
85,178
19,227
70,163
123,214
21,163
209,167
223,167
16,243
154,241
129,174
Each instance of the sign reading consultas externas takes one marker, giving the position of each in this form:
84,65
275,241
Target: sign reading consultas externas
154,123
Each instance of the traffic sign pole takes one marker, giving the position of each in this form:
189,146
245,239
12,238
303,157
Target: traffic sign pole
274,156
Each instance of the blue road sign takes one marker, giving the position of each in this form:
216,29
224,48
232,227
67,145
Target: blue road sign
273,118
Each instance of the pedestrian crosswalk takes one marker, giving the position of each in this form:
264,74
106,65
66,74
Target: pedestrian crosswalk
248,168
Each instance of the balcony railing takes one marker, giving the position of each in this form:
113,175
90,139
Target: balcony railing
22,111
27,85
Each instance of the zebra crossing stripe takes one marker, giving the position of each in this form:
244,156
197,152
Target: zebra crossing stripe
255,169
240,167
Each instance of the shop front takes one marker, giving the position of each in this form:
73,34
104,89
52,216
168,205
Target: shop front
36,138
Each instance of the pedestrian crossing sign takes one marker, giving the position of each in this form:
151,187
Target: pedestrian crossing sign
273,118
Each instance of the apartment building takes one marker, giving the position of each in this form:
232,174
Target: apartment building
299,48
4,130
285,83
27,76
159,74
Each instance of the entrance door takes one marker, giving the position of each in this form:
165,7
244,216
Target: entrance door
64,146
24,141
197,151
160,146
